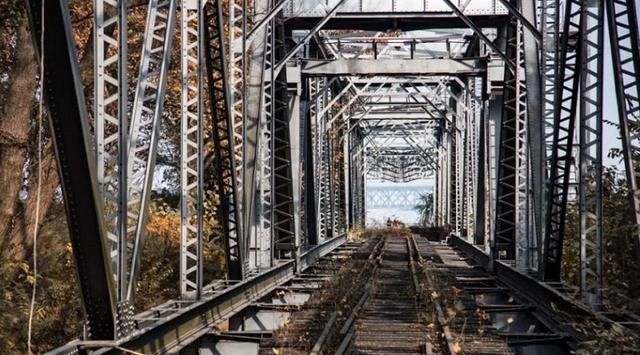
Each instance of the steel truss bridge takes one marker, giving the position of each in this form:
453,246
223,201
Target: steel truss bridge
305,100
404,196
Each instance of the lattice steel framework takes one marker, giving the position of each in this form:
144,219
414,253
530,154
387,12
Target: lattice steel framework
590,159
562,146
146,118
222,132
192,158
625,46
290,140
111,128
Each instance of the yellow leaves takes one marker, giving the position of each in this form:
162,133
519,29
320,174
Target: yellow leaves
434,295
67,248
456,348
275,351
164,222
455,291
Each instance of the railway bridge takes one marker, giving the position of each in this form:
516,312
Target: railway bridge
299,103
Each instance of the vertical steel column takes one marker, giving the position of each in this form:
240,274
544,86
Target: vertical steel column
449,165
483,179
461,168
261,237
191,157
511,229
625,49
256,143
346,176
590,185
111,128
324,189
310,191
223,138
565,101
360,179
523,222
237,71
535,170
494,110
550,27
294,87
283,220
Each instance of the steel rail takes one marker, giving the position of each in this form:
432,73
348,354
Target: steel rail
549,301
195,318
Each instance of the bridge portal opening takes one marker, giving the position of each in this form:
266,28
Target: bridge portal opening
401,201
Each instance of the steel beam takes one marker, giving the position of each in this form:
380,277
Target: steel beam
564,114
70,133
391,67
111,128
222,133
144,132
192,149
590,135
625,49
283,177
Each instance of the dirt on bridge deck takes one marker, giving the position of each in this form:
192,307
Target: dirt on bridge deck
385,301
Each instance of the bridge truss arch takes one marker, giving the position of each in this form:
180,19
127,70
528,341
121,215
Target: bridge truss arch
304,102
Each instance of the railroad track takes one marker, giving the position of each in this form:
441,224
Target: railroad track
386,319
309,330
455,291
407,295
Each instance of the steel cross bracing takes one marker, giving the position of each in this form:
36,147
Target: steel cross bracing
515,101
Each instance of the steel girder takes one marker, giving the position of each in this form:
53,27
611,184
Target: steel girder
237,83
398,197
625,41
254,97
222,133
564,125
511,233
192,155
590,136
72,143
284,228
111,128
422,67
255,110
146,119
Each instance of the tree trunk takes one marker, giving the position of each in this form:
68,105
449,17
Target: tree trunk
14,127
22,237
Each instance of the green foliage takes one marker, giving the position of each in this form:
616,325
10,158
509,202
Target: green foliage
425,208
58,314
621,265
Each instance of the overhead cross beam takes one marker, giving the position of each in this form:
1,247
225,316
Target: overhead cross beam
383,66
